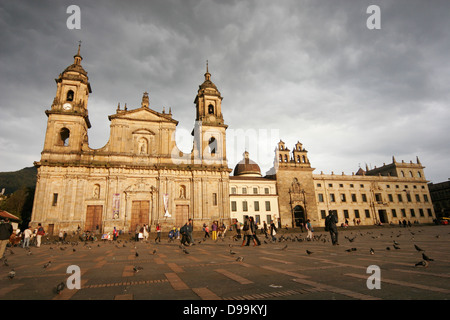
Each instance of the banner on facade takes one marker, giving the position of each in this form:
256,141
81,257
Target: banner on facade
116,205
166,205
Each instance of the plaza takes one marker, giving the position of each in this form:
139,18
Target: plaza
224,270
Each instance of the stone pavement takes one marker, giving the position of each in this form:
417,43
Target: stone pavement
273,271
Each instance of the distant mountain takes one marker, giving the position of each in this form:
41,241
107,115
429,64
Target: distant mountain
15,180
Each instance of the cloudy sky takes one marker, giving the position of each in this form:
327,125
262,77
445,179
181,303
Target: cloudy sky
296,70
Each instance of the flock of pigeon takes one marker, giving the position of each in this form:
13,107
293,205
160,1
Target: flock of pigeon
281,239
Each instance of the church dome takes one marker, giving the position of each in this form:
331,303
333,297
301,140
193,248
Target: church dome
247,167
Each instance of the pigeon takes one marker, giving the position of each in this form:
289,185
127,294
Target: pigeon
308,252
154,251
137,269
11,274
232,252
372,251
136,254
426,258
5,263
74,250
388,248
396,243
285,247
396,247
240,259
417,248
185,251
422,263
29,253
60,287
47,264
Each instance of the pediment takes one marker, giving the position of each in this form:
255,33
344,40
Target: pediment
143,114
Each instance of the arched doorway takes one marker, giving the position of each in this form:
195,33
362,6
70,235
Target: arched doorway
299,216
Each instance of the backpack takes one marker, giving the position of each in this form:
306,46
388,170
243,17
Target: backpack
183,229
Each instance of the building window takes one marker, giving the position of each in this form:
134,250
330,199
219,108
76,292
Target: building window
233,206
343,198
346,214
258,219
266,190
244,190
244,206
430,213
267,205
403,213
413,214
421,213
64,135
55,199
211,109
69,96
353,197
364,197
400,198
408,196
256,204
255,190
356,213
425,198
214,199
367,213
417,198
212,145
320,197
319,185
332,198
330,185
419,174
323,214
233,190
394,213
378,198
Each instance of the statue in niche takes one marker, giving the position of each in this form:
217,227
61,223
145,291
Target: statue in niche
182,192
142,146
96,193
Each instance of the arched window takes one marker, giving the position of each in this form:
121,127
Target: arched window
285,158
419,174
411,174
211,109
304,159
298,159
69,95
281,158
212,145
403,174
64,135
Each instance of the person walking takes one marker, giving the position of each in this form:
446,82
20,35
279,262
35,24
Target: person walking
214,230
331,225
206,229
273,230
254,228
6,230
158,233
26,237
309,229
39,234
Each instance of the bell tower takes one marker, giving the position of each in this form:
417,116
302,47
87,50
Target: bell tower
68,119
209,131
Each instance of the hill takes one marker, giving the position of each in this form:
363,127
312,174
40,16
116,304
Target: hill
14,180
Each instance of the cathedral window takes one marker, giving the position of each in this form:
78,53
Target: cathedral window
64,134
211,109
69,95
212,145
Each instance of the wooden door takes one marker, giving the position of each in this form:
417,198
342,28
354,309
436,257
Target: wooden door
139,214
181,215
93,218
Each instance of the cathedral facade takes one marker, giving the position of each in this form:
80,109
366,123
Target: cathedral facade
140,176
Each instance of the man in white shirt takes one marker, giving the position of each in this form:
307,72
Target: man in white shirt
27,236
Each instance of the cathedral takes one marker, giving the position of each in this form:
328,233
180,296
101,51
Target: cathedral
141,177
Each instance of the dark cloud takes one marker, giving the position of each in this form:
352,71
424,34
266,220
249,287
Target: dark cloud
292,70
